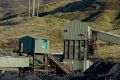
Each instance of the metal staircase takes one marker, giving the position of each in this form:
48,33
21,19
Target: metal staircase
63,67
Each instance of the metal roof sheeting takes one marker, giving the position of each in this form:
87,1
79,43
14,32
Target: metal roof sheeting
74,29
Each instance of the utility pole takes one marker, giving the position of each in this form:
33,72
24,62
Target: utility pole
33,14
29,9
38,7
33,7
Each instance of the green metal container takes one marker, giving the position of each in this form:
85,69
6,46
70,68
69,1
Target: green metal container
30,44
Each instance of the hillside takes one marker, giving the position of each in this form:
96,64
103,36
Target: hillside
53,15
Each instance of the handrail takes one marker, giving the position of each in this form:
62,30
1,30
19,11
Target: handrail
59,62
64,68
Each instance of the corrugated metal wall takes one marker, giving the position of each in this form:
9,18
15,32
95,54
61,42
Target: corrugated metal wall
73,49
14,62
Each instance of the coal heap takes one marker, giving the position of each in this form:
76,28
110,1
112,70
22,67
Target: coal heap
99,70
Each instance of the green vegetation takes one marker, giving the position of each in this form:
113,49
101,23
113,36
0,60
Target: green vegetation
51,25
72,15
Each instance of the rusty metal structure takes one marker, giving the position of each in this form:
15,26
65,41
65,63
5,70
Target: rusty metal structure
80,43
37,49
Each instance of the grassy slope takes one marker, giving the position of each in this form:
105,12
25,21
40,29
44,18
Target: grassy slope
51,26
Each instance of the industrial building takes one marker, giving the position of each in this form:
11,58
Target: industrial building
79,45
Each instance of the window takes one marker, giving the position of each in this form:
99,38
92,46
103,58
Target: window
21,47
44,43
65,30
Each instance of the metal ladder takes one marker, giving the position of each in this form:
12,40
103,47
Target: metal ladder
61,66
110,78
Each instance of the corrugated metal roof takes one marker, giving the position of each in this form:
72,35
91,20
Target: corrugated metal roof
34,37
75,29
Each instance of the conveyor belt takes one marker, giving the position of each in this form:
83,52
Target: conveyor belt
106,36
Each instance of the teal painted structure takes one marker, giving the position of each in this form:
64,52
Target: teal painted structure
29,44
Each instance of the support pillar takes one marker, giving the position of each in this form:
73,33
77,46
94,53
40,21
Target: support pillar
46,63
34,64
85,55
